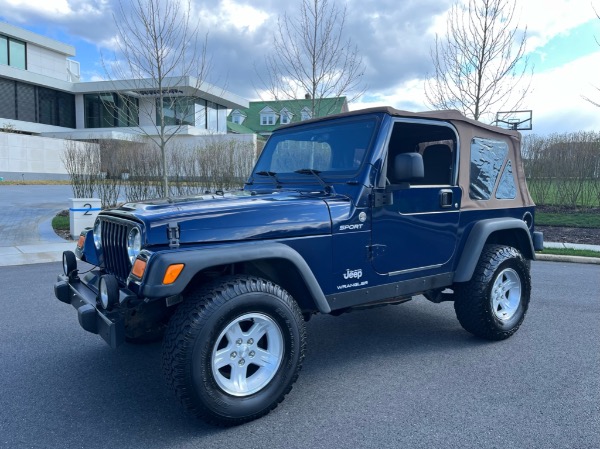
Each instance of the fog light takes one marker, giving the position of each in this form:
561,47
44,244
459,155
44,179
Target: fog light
69,263
108,291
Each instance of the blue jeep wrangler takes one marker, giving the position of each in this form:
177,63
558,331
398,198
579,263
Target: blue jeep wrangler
357,210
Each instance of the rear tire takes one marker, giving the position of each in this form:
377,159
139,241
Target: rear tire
233,349
493,304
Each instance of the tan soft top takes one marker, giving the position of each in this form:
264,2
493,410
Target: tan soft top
450,115
467,130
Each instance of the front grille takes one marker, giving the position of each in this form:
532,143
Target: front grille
114,248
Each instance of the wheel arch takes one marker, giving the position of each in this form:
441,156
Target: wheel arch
275,262
502,231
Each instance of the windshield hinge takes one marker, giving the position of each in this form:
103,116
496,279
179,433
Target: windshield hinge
173,235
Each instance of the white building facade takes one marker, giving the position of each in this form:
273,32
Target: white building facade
41,95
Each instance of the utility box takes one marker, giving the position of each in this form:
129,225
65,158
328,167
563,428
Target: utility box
82,214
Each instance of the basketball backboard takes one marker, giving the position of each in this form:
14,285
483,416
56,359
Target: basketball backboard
516,120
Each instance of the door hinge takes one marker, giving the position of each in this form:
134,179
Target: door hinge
173,235
381,198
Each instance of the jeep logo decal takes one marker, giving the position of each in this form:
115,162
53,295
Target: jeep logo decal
353,274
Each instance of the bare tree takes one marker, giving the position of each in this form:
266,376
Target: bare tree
310,57
480,65
158,50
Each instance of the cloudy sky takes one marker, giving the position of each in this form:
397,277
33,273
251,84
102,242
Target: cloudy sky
394,38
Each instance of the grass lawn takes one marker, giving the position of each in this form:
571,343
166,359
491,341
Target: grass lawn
569,219
35,183
570,252
61,222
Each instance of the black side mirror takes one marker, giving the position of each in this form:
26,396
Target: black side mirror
408,166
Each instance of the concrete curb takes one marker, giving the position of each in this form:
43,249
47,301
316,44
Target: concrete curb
570,259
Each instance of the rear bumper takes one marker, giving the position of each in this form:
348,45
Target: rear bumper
109,325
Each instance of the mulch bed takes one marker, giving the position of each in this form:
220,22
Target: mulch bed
585,236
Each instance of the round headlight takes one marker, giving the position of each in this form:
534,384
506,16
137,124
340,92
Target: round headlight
134,243
97,234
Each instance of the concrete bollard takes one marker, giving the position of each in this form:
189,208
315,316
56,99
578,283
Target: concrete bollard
82,214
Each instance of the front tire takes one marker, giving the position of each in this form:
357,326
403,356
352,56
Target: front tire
493,304
233,349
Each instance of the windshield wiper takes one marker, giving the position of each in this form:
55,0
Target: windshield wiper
272,175
310,171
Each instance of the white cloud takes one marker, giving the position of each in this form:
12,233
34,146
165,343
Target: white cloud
229,13
545,22
42,6
557,101
60,10
409,95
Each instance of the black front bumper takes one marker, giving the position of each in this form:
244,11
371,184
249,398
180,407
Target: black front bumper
109,325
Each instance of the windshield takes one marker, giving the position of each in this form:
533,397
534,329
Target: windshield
331,148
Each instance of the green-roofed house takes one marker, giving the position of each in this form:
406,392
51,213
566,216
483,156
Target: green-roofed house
263,117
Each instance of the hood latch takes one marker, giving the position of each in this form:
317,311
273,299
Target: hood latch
173,235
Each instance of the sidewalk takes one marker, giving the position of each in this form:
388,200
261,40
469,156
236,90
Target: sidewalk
30,254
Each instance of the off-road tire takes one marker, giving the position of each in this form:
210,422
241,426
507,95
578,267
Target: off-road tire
474,300
193,336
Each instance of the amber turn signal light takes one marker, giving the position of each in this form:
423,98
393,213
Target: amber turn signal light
172,273
81,241
139,267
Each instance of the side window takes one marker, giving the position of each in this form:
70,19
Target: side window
487,159
436,144
507,190
437,163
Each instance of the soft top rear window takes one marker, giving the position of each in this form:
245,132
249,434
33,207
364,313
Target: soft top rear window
487,159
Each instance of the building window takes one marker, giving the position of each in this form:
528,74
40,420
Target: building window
267,119
8,106
3,50
285,116
213,116
177,111
13,52
34,104
305,114
110,110
237,117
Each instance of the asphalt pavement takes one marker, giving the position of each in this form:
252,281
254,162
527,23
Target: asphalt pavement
405,376
27,237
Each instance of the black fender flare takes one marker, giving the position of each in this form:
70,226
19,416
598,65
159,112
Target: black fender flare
197,259
477,239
